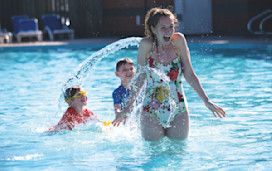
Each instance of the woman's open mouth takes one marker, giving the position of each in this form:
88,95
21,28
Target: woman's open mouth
166,38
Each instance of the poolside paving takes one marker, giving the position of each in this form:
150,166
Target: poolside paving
108,40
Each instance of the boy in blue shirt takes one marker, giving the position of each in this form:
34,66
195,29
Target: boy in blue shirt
125,71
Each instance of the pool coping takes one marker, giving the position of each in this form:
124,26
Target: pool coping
108,40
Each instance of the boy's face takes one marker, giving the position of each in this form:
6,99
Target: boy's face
126,72
80,98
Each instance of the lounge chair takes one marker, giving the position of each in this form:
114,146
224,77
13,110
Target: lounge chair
15,21
53,26
5,36
26,27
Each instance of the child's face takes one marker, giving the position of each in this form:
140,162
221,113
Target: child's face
126,72
80,99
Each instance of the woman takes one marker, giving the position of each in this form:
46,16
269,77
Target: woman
163,51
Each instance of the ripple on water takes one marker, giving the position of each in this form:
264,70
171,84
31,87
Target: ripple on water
238,79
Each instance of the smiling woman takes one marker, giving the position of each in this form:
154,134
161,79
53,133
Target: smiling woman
165,111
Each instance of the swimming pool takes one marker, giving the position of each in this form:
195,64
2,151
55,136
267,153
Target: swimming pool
238,77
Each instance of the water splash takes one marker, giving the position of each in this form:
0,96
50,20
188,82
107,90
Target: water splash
86,66
141,91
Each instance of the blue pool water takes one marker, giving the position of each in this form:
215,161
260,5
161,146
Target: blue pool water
238,77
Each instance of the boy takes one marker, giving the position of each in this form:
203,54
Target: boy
76,114
125,71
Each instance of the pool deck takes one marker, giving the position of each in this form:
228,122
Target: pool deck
108,40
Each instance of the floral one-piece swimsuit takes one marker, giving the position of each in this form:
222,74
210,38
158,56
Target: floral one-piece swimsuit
164,91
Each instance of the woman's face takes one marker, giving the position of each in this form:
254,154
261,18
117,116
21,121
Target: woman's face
164,30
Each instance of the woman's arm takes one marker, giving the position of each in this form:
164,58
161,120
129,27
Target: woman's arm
191,77
144,48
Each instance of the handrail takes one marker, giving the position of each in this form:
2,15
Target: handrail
255,18
262,22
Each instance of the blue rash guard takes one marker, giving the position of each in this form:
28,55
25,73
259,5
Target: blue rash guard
120,96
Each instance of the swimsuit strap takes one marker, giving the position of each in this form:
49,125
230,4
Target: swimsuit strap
175,49
153,47
150,54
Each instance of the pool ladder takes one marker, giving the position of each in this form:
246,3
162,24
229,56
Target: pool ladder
265,15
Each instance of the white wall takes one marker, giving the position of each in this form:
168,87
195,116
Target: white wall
195,16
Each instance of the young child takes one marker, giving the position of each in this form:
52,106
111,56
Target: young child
76,114
125,71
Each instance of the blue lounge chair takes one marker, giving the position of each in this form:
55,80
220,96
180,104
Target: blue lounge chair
53,26
15,21
26,27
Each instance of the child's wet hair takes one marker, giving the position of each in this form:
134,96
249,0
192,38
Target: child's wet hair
71,91
123,61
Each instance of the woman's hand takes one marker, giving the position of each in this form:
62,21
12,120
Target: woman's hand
216,110
122,116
